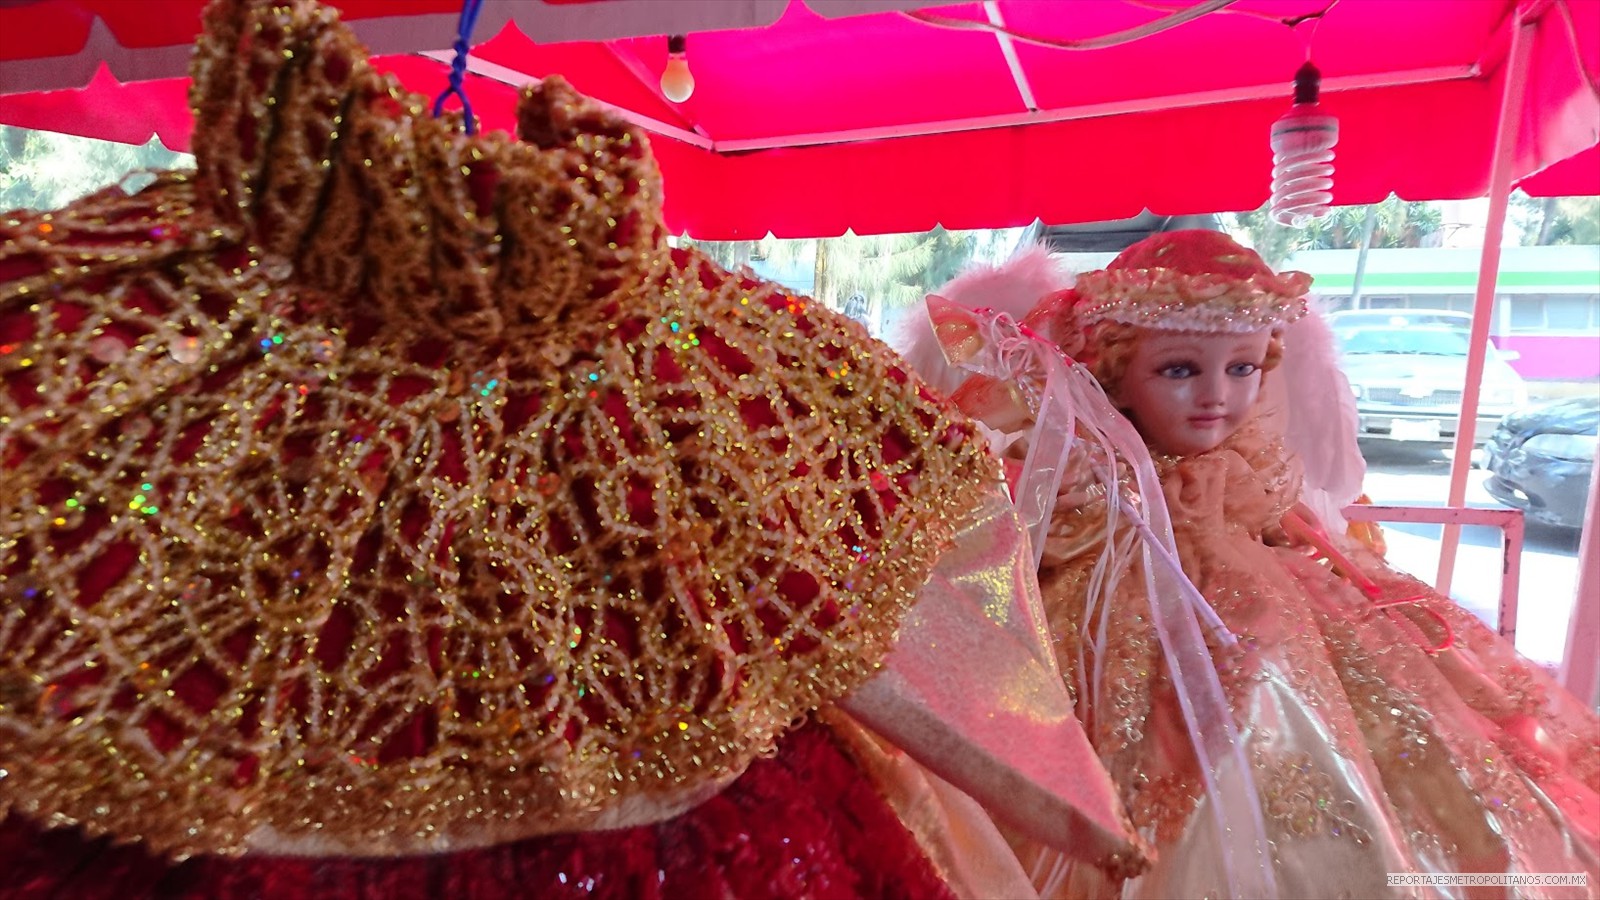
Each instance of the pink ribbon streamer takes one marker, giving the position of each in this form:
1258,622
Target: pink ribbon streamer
1067,403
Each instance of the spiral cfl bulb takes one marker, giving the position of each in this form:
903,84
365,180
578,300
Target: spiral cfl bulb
1302,155
677,82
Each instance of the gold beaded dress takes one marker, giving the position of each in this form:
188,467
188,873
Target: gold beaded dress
389,513
1383,737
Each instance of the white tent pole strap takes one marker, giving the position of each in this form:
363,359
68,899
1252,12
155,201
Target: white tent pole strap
1505,140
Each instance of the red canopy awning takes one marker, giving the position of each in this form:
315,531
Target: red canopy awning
813,116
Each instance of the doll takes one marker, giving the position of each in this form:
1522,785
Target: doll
1386,730
390,512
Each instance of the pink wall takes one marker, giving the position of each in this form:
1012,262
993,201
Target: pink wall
1550,357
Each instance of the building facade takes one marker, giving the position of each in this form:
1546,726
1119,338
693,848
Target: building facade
1547,299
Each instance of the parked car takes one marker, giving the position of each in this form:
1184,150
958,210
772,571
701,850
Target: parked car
1390,318
1541,460
1408,368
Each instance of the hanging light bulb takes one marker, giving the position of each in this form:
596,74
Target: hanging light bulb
1302,154
677,82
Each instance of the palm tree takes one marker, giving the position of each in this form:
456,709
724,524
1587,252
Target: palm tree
1395,223
1556,220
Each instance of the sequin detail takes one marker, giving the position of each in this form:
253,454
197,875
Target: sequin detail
1304,800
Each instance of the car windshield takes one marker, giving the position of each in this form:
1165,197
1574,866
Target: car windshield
1410,341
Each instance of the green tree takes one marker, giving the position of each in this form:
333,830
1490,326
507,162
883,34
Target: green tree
1276,243
45,170
890,270
896,270
1544,221
1396,223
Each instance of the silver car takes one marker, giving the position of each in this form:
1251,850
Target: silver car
1408,368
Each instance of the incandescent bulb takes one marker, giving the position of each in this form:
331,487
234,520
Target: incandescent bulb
1302,155
677,82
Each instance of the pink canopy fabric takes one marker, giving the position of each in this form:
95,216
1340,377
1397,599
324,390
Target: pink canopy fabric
810,117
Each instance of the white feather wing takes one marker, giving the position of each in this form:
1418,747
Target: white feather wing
1013,287
1321,421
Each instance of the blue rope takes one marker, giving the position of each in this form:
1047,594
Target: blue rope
458,66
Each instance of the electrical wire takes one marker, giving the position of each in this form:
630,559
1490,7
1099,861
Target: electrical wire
1291,21
1095,43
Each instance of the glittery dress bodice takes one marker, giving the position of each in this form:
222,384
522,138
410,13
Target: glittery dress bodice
382,490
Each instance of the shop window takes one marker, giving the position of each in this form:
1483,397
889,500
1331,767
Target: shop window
1569,313
1527,313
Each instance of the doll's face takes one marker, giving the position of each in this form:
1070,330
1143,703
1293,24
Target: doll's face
1187,391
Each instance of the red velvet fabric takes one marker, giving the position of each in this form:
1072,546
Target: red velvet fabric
806,824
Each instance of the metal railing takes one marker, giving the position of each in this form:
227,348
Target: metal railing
1509,521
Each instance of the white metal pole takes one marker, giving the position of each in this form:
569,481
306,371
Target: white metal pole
1505,141
1580,664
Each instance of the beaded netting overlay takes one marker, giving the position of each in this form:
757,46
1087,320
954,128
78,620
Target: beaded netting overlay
378,490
